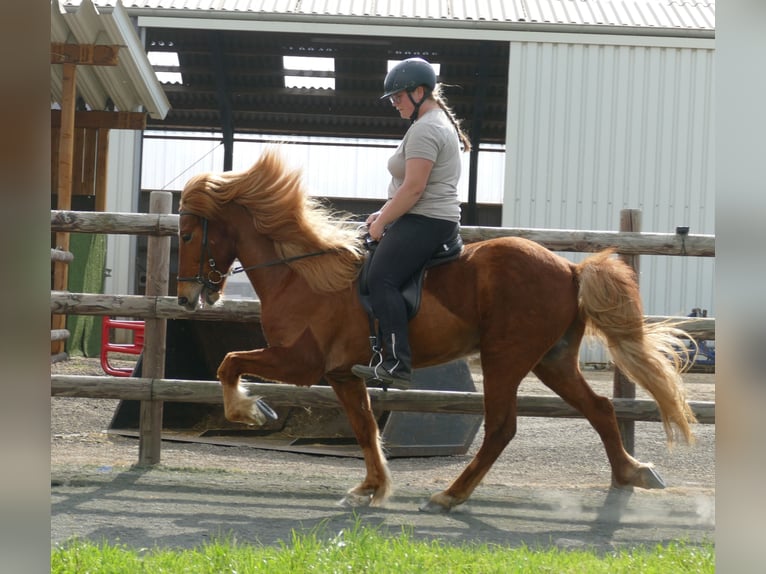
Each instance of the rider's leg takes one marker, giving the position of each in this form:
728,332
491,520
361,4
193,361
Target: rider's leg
404,249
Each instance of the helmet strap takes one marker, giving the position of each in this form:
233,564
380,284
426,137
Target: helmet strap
416,111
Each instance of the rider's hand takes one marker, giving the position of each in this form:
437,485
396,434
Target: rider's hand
376,229
372,217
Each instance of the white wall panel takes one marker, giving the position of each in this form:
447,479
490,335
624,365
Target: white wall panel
122,196
594,129
331,167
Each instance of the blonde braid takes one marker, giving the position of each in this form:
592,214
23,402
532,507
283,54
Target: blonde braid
439,98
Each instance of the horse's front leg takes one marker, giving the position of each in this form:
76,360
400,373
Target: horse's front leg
303,364
300,364
375,489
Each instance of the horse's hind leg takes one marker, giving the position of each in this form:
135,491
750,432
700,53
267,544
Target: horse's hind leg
501,382
559,370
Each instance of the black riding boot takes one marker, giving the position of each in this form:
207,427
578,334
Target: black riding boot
395,370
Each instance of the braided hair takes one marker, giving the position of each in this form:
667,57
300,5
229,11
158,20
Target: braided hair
441,100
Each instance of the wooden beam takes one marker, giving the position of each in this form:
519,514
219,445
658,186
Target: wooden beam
102,155
77,161
88,171
320,396
86,54
249,310
64,185
102,119
157,263
67,138
622,386
554,239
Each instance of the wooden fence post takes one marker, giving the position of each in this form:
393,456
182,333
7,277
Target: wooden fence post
630,220
157,266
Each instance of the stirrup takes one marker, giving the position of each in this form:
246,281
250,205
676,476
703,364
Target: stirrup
378,376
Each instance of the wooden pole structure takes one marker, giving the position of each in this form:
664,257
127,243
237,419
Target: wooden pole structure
624,388
157,266
102,155
69,56
64,187
323,397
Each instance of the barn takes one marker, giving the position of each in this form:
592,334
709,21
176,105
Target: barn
578,109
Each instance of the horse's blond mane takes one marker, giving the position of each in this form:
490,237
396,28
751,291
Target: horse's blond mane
281,209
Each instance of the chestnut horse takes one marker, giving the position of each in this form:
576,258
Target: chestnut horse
520,306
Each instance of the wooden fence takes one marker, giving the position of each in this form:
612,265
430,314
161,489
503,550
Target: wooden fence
155,307
58,333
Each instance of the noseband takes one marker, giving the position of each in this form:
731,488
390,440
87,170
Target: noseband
215,277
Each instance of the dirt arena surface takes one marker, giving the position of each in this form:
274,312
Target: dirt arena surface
549,487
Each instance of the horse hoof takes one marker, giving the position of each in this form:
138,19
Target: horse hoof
645,477
651,478
267,411
353,500
441,503
432,507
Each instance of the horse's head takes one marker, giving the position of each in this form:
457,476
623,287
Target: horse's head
205,254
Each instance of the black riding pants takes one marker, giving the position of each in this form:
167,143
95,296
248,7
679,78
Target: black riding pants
405,248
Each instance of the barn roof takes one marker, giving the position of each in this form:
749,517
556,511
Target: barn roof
231,71
660,14
129,85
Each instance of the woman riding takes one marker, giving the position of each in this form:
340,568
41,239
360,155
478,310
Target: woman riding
421,214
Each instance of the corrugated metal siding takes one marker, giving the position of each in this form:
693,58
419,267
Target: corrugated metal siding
170,160
167,164
679,14
594,129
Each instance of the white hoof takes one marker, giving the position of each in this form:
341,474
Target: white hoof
242,408
356,500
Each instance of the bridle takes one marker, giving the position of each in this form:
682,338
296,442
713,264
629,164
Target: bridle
214,277
212,281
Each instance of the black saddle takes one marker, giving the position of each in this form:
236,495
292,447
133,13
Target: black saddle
413,288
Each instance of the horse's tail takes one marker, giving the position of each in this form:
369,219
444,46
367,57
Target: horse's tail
651,355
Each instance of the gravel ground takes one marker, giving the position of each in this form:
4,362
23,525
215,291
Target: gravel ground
550,486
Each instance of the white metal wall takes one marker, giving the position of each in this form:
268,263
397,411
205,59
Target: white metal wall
331,167
122,196
595,128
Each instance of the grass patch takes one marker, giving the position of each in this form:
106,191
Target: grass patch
363,549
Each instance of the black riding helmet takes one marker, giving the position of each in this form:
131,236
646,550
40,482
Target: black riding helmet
408,75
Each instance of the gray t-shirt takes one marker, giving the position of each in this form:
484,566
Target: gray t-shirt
431,137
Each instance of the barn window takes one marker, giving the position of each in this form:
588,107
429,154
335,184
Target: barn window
166,66
309,72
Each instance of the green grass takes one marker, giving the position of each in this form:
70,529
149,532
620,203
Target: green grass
361,549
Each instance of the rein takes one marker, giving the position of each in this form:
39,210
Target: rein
215,277
282,261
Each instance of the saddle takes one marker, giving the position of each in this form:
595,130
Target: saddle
413,288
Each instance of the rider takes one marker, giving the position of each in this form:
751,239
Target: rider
422,212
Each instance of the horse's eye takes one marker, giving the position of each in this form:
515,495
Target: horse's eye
186,237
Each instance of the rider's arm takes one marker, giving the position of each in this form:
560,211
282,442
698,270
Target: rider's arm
415,179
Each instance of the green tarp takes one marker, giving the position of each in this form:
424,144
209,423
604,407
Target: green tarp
86,275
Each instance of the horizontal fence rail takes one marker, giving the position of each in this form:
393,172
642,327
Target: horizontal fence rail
628,243
247,310
319,396
61,255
